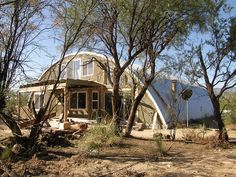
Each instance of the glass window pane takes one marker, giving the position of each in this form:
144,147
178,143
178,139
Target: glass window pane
73,100
95,104
69,69
85,69
76,72
95,96
82,100
90,68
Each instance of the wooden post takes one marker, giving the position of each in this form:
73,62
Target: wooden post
65,104
89,103
101,101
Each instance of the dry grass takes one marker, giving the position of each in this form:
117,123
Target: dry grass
98,137
199,136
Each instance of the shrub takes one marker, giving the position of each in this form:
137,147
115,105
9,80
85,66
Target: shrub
214,142
198,136
159,145
194,135
5,153
98,137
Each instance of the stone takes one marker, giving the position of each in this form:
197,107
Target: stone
17,148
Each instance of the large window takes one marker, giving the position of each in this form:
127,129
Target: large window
38,101
76,69
87,68
78,100
95,100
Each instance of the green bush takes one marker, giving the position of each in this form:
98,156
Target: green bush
98,137
5,153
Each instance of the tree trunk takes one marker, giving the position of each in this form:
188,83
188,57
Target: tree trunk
223,135
11,123
115,107
133,110
35,130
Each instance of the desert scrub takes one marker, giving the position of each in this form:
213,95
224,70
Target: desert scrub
98,137
160,146
194,135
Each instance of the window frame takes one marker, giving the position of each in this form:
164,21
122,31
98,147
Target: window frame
77,97
92,100
86,63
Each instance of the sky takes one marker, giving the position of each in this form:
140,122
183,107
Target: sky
50,51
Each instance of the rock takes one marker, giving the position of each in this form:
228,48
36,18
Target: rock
17,148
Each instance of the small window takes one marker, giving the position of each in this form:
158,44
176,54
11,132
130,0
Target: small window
38,101
87,68
95,100
78,100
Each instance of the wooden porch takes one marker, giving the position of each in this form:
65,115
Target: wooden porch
64,94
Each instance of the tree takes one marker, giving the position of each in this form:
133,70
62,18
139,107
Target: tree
19,30
167,29
19,27
214,60
71,30
126,30
121,29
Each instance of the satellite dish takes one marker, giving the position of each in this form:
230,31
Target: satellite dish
186,94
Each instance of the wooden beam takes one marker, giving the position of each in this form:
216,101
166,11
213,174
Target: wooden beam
41,88
65,104
89,103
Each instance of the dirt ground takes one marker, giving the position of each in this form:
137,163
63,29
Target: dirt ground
134,157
